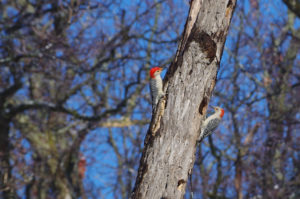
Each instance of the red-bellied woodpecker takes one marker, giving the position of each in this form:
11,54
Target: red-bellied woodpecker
211,123
156,86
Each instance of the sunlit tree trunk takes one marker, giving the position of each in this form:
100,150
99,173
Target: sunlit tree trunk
170,144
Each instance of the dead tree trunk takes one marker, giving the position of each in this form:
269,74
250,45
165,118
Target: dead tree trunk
170,144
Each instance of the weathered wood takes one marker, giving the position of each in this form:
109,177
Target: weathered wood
170,144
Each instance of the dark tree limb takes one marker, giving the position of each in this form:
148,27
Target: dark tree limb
293,5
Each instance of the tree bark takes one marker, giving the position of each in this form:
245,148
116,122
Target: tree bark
5,168
170,145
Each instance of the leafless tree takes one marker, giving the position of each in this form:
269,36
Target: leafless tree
170,145
74,99
68,67
254,152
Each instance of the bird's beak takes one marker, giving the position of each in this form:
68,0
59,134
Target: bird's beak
212,106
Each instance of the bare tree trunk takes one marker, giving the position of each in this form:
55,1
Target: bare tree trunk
5,169
170,144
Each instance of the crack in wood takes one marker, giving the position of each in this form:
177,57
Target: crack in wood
181,184
229,9
229,4
203,105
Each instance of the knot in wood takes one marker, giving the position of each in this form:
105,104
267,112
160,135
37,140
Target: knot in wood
205,41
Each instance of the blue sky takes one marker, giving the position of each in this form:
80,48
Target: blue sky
101,159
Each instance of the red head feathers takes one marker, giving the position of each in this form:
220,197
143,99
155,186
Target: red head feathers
153,70
222,112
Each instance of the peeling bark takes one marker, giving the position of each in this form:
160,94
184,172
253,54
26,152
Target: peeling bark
169,153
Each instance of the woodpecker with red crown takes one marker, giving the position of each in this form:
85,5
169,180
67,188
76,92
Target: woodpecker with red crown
211,123
156,86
